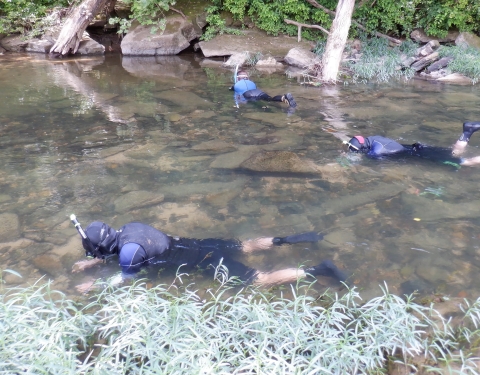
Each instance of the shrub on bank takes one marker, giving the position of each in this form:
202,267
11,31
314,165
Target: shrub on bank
179,330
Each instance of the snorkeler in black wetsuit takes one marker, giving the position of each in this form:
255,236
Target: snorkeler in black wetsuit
139,245
378,146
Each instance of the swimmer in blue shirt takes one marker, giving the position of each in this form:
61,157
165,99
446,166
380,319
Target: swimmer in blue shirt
246,90
377,146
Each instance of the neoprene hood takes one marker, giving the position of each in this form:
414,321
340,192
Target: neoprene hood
101,241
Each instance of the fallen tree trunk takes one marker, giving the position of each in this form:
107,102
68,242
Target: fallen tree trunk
76,23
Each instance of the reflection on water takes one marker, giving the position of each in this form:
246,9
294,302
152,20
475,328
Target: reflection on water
159,140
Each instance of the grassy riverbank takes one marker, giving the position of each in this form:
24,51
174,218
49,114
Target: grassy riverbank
380,62
223,330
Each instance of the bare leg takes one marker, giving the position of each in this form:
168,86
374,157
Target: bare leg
287,275
471,161
459,147
468,129
258,244
265,243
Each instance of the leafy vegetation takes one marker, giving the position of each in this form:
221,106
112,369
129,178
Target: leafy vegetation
146,12
436,17
176,329
30,18
217,25
395,17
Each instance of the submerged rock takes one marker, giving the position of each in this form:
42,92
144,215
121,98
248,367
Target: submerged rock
278,161
48,264
215,146
10,228
137,199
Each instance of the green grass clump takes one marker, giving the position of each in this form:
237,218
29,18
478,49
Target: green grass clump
466,60
41,331
381,62
179,330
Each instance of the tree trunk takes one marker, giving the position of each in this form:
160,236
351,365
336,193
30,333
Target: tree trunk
75,25
332,56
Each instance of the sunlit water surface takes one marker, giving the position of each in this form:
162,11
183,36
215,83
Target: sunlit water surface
160,141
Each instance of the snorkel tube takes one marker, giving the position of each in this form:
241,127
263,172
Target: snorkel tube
77,225
235,79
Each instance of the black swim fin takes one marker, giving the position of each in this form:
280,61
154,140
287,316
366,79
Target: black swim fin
327,268
297,238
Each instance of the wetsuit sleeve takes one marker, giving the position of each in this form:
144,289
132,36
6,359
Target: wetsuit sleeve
132,257
384,146
376,149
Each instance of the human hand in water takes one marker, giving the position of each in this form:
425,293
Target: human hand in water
82,265
85,287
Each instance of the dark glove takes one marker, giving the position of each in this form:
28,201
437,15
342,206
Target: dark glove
297,238
327,268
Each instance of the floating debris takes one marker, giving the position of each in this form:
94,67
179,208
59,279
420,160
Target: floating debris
438,192
425,251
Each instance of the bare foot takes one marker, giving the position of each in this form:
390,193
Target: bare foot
85,287
82,265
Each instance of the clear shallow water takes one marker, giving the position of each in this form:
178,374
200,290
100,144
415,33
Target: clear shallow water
159,140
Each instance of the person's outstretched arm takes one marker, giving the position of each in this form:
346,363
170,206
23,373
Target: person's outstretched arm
82,265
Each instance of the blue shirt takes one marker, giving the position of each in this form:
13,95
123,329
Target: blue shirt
244,85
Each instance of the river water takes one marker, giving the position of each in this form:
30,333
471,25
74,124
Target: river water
161,141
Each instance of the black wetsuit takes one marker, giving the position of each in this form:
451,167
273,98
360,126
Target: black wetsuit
141,245
378,146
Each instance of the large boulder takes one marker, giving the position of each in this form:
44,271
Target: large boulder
456,78
17,43
300,57
238,58
419,36
38,45
254,41
88,46
14,43
176,37
468,39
